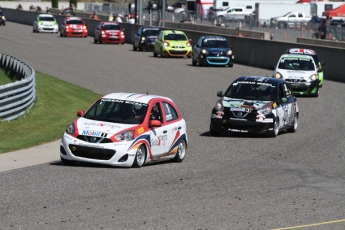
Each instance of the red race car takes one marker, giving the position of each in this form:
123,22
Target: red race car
73,27
109,32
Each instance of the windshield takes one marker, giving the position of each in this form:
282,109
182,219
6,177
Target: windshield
150,32
51,19
296,63
248,90
75,22
176,37
111,27
118,111
215,43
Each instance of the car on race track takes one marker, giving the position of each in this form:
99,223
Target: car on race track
300,71
212,50
313,54
172,43
73,27
45,23
125,130
255,104
145,37
109,32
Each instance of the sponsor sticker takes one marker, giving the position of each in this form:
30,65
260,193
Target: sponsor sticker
141,130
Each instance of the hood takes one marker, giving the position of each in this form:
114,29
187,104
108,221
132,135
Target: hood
100,128
217,50
244,105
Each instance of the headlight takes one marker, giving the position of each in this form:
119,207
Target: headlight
278,75
84,27
313,77
143,38
41,23
103,32
125,136
70,128
265,110
166,44
229,52
219,106
204,51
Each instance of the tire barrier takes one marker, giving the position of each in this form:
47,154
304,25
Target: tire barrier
16,97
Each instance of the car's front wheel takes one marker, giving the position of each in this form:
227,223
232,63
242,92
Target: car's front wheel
134,48
275,131
67,162
295,125
317,93
181,152
140,157
193,61
154,52
214,132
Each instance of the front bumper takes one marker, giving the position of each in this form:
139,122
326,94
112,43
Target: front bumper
173,52
48,29
216,60
113,39
118,154
76,33
305,88
242,126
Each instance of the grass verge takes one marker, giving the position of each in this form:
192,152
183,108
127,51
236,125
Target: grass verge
4,79
56,105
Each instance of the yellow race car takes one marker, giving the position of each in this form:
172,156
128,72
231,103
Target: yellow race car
172,43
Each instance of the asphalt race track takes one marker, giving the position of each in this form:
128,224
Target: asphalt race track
227,182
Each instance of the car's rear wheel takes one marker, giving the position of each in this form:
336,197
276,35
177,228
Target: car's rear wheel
275,131
140,157
67,162
295,125
181,152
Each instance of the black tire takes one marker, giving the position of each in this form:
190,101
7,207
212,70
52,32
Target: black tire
134,48
215,133
60,34
154,53
181,152
67,162
140,48
295,125
140,157
231,64
162,56
317,93
275,131
193,61
94,40
100,41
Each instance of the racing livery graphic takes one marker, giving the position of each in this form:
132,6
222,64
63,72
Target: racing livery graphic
126,130
255,104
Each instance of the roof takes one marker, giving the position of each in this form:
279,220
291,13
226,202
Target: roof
300,51
304,56
46,15
173,31
269,80
142,98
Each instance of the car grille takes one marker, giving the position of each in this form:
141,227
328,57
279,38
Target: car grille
113,39
217,60
178,47
92,139
295,80
47,28
76,32
91,152
178,51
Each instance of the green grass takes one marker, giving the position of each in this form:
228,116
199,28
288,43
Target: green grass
4,79
56,105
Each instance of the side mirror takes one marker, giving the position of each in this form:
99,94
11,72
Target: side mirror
159,39
220,94
284,99
123,29
323,63
231,47
155,123
80,113
197,46
189,40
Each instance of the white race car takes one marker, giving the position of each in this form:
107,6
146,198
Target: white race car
125,130
45,23
300,71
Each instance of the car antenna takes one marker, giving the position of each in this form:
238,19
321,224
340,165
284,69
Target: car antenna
147,93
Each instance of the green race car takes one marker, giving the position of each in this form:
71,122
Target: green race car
172,43
313,54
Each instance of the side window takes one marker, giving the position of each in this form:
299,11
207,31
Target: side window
287,90
156,113
170,113
281,92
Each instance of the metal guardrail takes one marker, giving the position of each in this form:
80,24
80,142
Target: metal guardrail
16,97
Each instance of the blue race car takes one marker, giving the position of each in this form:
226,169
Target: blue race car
212,50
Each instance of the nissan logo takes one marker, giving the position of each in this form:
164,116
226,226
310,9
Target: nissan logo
93,139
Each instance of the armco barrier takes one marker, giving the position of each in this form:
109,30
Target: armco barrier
17,97
248,51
